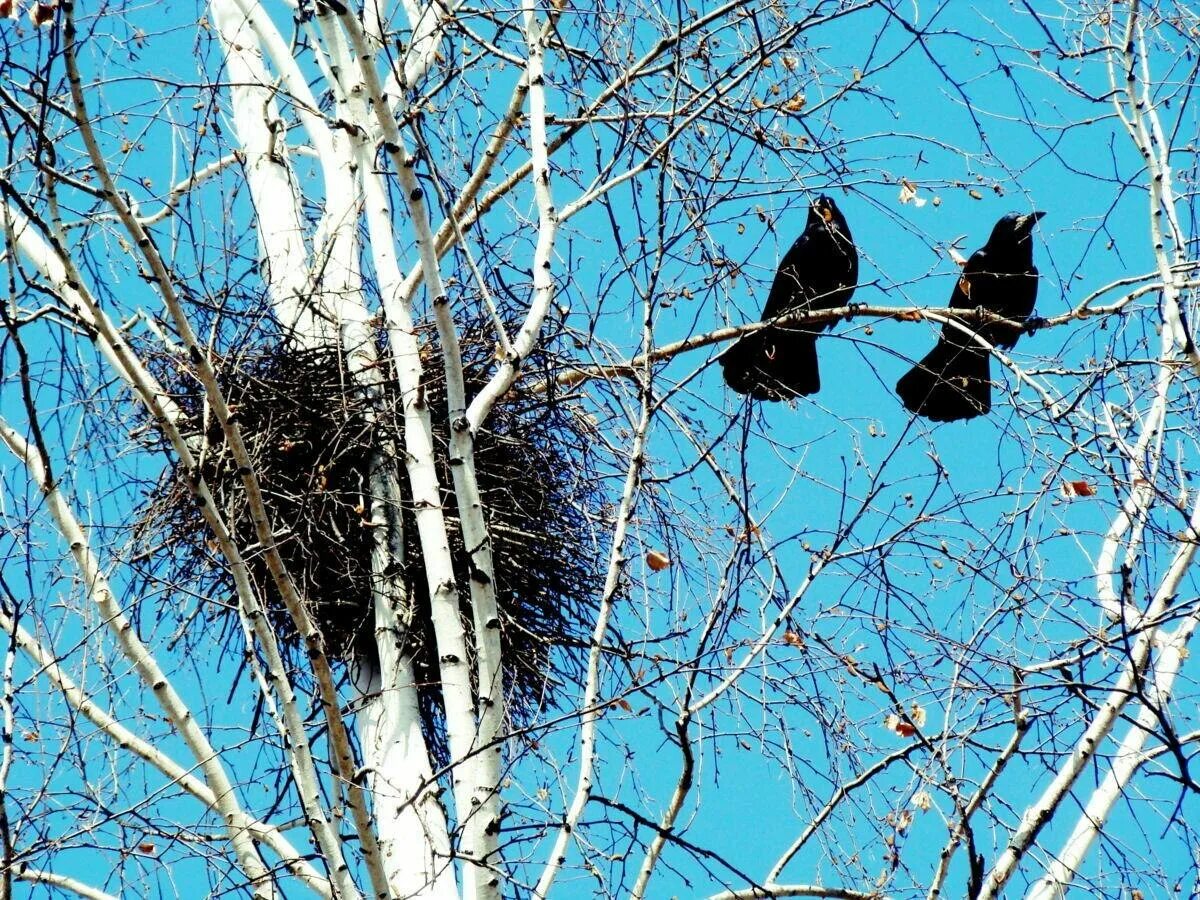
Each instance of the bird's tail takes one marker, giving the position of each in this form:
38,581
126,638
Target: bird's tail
773,364
952,382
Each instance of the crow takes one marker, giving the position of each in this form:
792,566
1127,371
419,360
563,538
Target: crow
820,271
954,380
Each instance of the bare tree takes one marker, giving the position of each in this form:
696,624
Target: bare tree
376,521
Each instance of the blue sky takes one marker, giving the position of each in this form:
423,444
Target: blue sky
1077,164
800,725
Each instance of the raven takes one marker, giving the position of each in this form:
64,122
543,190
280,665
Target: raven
820,271
954,380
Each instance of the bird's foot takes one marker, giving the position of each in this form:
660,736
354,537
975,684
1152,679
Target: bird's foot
1033,323
855,309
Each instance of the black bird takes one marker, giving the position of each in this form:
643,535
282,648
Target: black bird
954,380
820,271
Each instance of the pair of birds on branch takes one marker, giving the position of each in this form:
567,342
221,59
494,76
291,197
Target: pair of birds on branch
820,271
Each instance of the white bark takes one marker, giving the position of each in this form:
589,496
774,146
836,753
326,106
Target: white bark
59,269
290,720
419,465
177,712
412,824
263,139
1137,111
62,882
123,737
1086,748
1129,756
472,744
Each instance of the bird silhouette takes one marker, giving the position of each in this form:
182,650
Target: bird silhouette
954,381
819,271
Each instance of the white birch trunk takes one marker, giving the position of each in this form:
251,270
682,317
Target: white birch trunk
413,840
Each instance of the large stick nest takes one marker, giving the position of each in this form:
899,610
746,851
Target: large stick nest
311,437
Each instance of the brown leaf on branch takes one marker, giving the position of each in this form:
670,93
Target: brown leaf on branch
42,13
894,723
1073,489
657,560
793,640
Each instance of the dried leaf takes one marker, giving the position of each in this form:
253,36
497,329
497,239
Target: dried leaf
657,560
793,640
894,723
1073,489
42,13
974,194
796,103
908,194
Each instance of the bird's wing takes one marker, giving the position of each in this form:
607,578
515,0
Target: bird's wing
1024,295
961,298
789,288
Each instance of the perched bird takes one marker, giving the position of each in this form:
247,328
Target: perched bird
954,381
820,271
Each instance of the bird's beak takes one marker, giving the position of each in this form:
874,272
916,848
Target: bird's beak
1025,223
